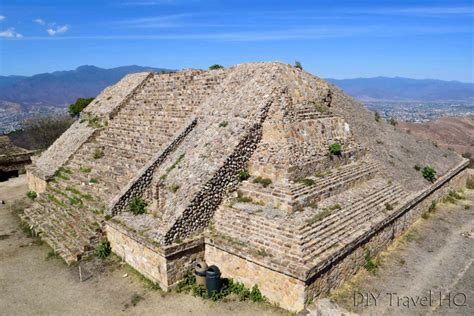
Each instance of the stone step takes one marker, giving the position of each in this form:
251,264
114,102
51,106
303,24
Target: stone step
345,232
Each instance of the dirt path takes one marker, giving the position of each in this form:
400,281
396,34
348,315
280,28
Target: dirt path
435,259
30,284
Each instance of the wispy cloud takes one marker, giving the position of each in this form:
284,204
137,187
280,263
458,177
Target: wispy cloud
322,32
2,17
149,2
52,31
39,21
10,33
170,20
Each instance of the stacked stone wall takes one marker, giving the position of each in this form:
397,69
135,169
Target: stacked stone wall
164,265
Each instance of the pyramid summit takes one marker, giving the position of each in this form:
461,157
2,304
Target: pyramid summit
267,171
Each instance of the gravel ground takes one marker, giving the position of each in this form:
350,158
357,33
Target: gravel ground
435,256
32,284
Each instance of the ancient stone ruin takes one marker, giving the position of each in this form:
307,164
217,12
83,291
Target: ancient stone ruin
270,173
13,159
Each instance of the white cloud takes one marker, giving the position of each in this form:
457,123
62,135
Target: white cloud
39,21
10,33
2,17
58,30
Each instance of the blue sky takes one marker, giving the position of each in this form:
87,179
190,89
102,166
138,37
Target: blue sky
337,39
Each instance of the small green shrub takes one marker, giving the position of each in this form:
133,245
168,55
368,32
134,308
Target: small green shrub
229,286
223,124
417,167
137,206
32,195
388,206
319,216
216,66
244,175
429,173
321,108
94,122
174,188
98,153
74,200
85,169
306,181
371,264
335,149
298,65
335,207
425,215
432,207
93,180
262,253
103,249
265,182
243,199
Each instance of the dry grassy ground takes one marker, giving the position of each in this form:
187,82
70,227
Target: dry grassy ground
436,254
33,284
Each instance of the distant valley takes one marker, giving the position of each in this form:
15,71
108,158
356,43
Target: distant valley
403,98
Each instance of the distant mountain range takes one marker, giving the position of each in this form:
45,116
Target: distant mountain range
405,89
61,88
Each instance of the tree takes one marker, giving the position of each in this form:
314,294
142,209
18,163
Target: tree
429,173
216,66
76,108
298,65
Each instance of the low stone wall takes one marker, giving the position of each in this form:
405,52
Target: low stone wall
279,288
164,265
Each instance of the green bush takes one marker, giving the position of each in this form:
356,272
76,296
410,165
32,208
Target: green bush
417,167
76,108
32,195
371,264
98,153
216,66
429,173
392,121
432,207
174,187
298,65
306,181
229,286
103,249
265,182
244,175
223,124
335,149
388,206
137,206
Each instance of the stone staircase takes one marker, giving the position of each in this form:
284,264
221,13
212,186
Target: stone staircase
325,185
309,112
344,225
70,230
